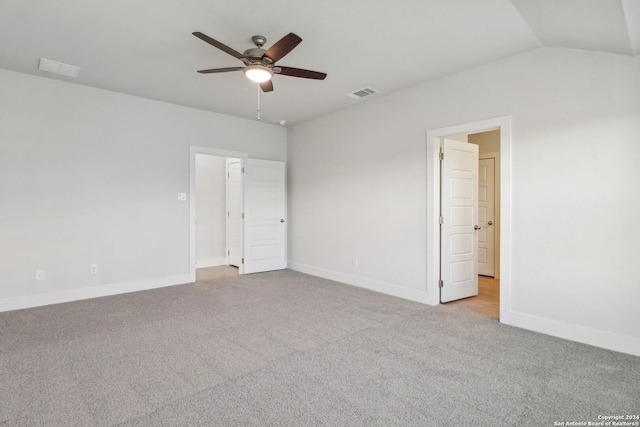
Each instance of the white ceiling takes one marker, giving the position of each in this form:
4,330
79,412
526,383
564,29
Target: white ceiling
145,47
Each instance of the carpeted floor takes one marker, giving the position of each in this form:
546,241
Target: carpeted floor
284,348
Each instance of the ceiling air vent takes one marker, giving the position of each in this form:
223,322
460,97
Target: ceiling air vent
362,93
58,68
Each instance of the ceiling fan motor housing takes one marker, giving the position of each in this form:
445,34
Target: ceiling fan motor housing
255,53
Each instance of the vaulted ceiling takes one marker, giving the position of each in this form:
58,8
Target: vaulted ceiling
145,47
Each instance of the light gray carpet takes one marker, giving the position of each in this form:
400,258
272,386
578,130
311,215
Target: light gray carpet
284,348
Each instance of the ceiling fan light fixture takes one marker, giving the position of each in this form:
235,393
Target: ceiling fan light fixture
258,73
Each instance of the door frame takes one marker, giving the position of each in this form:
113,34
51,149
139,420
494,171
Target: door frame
193,150
433,205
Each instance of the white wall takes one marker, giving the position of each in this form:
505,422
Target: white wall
211,211
92,176
487,142
357,186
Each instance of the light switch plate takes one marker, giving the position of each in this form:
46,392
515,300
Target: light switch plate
182,197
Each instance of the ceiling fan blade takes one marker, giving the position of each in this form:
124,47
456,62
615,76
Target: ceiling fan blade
282,47
221,70
267,86
219,45
299,72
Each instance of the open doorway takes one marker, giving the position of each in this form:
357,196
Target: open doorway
482,133
487,300
218,207
209,212
263,212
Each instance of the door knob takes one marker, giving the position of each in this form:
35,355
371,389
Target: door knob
282,220
476,227
490,223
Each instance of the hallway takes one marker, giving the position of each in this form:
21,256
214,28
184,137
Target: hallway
487,301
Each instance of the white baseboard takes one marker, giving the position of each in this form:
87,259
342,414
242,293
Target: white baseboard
211,262
581,334
28,301
361,282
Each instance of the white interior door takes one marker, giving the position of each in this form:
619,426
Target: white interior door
264,216
234,212
459,213
486,218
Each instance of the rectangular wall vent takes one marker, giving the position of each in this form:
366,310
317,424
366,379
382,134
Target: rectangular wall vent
58,68
362,93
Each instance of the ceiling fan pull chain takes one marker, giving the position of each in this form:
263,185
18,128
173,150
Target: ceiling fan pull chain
258,102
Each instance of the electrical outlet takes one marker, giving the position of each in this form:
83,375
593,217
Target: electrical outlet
182,197
94,268
39,274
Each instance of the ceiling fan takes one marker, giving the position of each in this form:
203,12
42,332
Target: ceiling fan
259,64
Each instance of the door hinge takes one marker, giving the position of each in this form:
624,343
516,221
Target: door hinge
441,284
242,214
441,156
228,252
243,260
441,220
243,169
228,175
